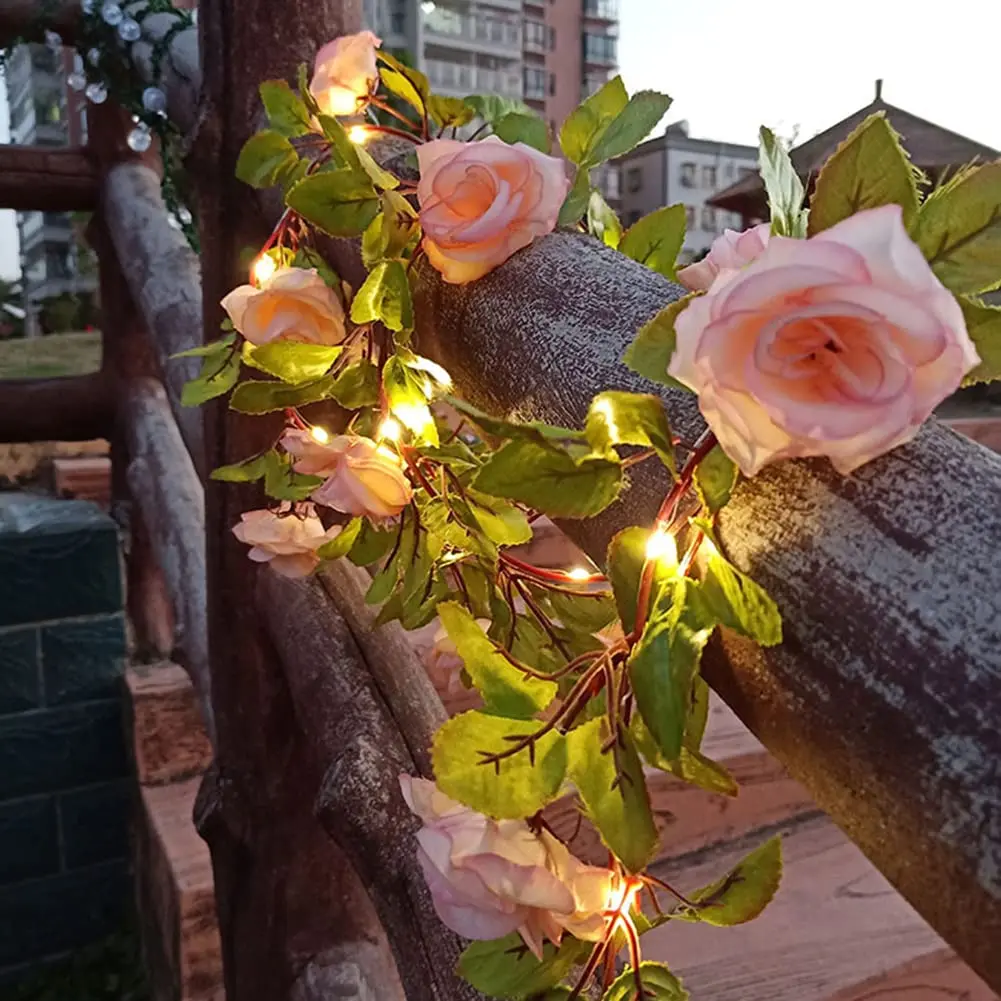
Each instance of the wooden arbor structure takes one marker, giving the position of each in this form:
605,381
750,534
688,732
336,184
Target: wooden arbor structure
883,700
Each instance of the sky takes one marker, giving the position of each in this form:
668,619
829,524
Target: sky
732,65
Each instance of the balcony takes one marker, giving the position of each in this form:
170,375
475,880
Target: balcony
602,10
456,80
600,50
536,37
474,33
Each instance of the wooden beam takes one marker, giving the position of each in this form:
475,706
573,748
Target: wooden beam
73,408
884,698
37,178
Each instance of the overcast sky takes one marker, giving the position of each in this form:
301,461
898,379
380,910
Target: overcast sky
732,65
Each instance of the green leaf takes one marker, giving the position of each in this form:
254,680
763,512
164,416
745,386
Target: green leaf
652,350
501,522
522,127
613,790
263,397
506,691
516,788
587,123
356,387
534,430
248,471
407,392
448,111
740,895
630,127
870,168
550,480
286,111
208,350
983,324
343,542
306,257
584,613
738,602
602,222
959,230
385,297
218,376
785,189
391,232
340,202
624,562
294,361
659,984
372,544
504,968
492,108
403,88
266,159
578,197
656,239
715,478
418,79
618,418
282,482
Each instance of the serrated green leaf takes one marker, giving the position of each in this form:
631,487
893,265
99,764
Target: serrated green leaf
533,430
602,222
208,350
248,471
959,230
492,107
740,895
392,232
522,127
263,397
403,88
372,544
630,127
501,522
282,482
624,566
504,968
983,324
286,111
715,478
550,480
587,123
356,387
587,613
519,788
218,376
659,984
266,159
575,205
415,76
294,361
306,257
449,111
340,202
385,297
870,168
652,350
343,542
619,418
614,793
738,602
784,188
506,691
656,239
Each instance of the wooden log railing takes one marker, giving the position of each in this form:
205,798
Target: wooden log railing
883,698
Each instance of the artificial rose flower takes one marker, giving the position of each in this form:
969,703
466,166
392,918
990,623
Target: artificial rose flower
443,663
489,878
294,304
482,201
288,542
840,345
362,477
729,252
310,456
344,73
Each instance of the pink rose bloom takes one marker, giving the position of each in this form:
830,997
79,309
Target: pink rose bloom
489,878
840,345
287,541
729,252
482,201
443,663
294,304
362,477
344,73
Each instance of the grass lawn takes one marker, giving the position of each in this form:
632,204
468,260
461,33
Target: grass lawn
50,355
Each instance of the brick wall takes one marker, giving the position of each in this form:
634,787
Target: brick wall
64,798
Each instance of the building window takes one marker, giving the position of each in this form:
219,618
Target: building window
709,177
730,170
607,9
689,217
634,179
688,175
535,83
599,49
535,35
708,219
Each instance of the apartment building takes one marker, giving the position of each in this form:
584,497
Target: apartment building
678,168
45,112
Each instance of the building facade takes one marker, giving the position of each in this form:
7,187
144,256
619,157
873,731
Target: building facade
676,168
45,112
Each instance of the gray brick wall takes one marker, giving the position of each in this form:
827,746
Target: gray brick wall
64,794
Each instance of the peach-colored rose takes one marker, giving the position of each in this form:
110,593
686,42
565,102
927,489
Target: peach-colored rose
482,201
489,878
344,72
287,541
840,345
363,478
729,252
443,663
294,304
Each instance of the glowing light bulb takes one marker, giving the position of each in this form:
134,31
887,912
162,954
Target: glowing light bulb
604,407
390,430
415,416
264,267
358,134
579,573
662,547
318,434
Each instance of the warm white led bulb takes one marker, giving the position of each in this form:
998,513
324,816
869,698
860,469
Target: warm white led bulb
579,573
662,547
358,134
319,434
390,430
264,267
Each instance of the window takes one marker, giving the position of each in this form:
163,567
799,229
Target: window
535,35
535,83
709,177
607,9
634,179
690,217
708,219
599,49
730,170
688,175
